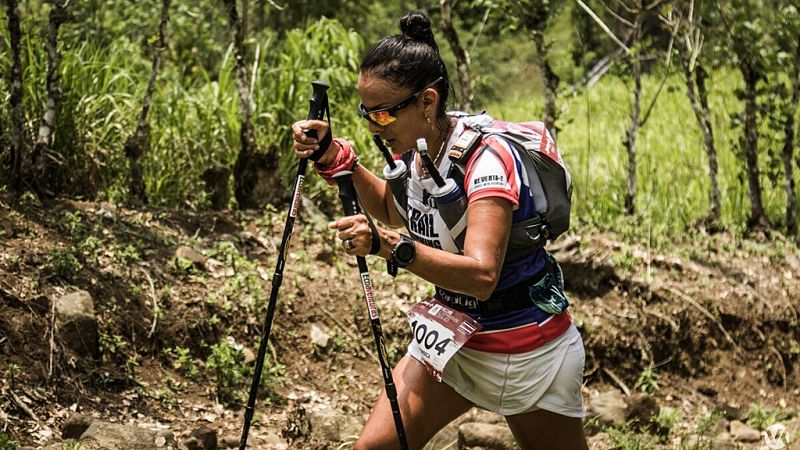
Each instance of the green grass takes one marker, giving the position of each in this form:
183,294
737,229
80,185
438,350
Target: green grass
194,116
672,166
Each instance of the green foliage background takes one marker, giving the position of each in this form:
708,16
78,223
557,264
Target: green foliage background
105,64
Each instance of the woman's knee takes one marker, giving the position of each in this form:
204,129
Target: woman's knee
545,430
371,441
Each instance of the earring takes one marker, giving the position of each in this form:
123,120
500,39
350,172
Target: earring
428,118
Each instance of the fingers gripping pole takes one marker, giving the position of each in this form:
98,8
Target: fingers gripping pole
347,195
317,108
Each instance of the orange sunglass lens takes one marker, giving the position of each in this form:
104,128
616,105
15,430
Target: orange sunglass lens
382,118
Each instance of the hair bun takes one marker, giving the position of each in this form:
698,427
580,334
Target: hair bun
417,26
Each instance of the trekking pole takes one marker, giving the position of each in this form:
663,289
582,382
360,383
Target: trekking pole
316,111
347,195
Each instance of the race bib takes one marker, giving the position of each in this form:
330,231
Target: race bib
438,332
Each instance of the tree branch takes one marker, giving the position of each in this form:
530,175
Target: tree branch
664,80
603,26
621,19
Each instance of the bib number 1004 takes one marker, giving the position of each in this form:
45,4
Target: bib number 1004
428,336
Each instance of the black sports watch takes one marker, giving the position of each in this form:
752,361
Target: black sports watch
404,251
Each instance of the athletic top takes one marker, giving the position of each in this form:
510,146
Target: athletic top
497,171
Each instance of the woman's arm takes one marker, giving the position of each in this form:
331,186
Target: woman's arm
477,271
474,273
374,192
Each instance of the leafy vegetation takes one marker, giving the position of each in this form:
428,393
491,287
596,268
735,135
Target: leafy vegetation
231,375
648,381
6,443
762,417
64,264
183,362
700,436
195,121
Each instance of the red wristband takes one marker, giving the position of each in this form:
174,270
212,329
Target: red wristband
346,160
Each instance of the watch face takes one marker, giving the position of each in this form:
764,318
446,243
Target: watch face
404,252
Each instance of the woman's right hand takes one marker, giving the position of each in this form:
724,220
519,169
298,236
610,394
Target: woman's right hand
305,146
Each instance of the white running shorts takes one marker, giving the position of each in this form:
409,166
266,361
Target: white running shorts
549,377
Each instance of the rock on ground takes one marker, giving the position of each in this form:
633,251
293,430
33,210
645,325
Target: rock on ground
76,323
497,437
110,436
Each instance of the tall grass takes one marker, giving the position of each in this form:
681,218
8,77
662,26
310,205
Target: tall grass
672,165
196,120
97,88
195,112
195,125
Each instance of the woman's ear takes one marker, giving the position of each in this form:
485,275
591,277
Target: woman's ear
429,99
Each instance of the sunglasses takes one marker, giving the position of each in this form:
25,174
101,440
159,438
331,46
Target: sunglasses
385,116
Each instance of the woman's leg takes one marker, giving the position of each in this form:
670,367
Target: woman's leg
545,430
426,406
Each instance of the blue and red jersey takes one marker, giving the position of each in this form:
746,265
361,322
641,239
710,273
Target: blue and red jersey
497,171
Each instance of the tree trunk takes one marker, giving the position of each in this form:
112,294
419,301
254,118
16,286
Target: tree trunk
58,16
698,98
630,141
749,144
633,130
16,163
462,57
245,170
245,16
138,143
261,15
711,148
551,81
788,147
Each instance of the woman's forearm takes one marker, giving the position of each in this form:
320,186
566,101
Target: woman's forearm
477,271
476,277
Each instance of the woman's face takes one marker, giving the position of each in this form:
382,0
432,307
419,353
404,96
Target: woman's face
409,123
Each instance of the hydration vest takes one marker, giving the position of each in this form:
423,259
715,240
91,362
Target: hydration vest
543,171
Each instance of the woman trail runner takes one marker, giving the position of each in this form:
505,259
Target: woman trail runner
481,340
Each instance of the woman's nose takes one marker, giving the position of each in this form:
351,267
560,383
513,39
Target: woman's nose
375,128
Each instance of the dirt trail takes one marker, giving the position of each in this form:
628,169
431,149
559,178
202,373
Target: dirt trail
711,322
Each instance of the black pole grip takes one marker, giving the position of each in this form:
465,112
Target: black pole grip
318,103
347,193
316,111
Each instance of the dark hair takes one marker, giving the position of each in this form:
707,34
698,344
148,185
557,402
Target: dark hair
410,59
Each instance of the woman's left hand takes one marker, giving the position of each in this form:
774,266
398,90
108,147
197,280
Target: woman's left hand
355,234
